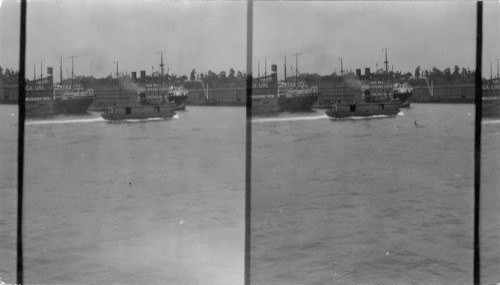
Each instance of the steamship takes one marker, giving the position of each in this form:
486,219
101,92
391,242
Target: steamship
271,96
40,97
73,99
491,98
155,88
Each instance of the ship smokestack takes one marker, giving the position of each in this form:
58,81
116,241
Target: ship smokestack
134,75
358,73
367,72
143,74
274,72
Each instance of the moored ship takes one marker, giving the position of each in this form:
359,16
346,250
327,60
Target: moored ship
271,96
72,101
491,99
402,92
178,95
40,97
298,98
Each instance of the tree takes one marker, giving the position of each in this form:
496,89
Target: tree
447,74
193,75
231,74
211,75
222,76
239,75
456,72
417,72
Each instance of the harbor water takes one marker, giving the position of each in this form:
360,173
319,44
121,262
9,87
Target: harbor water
135,202
372,201
354,201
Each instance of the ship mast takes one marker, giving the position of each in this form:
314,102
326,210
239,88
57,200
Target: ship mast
117,74
41,68
386,70
265,67
341,66
161,63
296,67
285,67
498,61
72,74
60,72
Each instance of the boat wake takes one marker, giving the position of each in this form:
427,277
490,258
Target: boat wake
67,121
289,119
142,120
490,122
362,117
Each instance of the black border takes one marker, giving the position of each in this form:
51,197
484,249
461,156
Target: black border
477,141
248,145
20,144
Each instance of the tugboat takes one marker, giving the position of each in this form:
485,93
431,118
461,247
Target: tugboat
365,109
145,110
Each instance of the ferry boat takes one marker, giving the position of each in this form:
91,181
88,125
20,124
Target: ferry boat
145,110
344,110
364,109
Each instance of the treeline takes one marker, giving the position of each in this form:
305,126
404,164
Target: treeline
9,76
232,78
448,76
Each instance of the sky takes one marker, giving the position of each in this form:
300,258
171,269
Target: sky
211,35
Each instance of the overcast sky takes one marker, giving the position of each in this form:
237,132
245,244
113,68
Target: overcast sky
205,35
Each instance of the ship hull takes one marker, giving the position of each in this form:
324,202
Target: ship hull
363,110
403,97
297,104
404,105
73,106
491,108
40,108
178,100
117,113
